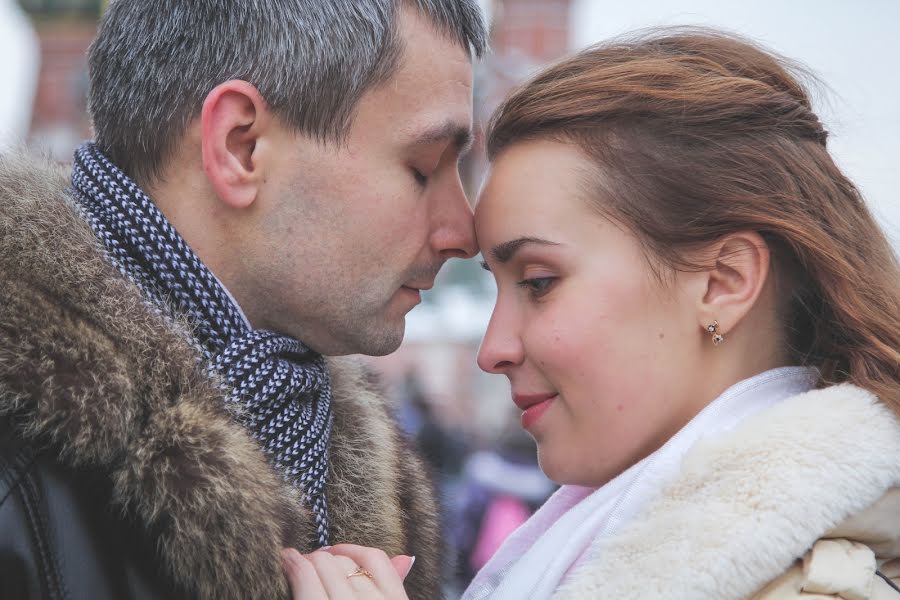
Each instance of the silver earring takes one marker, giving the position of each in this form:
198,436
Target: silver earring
713,328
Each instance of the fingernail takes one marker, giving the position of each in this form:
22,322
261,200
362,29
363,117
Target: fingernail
412,561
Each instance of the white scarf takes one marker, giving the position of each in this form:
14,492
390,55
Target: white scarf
535,560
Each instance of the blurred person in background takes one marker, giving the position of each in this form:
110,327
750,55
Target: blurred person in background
499,489
443,448
444,451
700,321
271,183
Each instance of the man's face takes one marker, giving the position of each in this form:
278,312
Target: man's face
346,234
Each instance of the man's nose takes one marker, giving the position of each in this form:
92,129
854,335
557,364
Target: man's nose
453,231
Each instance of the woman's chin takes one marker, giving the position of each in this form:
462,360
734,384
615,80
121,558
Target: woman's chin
559,471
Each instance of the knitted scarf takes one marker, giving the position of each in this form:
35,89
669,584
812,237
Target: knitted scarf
282,388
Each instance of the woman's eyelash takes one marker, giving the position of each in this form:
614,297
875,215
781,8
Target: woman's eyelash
537,286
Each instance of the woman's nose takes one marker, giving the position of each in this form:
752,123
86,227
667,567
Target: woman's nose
501,347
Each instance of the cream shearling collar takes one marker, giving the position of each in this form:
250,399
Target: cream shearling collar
747,504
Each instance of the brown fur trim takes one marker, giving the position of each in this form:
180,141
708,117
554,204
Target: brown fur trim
87,366
412,519
421,512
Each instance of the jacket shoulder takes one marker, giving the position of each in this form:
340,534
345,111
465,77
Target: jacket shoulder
26,183
833,569
28,564
16,459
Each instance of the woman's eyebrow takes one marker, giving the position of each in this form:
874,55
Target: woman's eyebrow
505,251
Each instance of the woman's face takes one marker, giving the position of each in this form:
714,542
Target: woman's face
598,352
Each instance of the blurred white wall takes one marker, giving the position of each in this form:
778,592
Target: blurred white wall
487,7
853,47
18,73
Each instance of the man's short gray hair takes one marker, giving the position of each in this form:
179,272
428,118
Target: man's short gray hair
154,61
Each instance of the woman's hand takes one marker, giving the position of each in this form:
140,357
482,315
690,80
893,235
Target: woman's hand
346,572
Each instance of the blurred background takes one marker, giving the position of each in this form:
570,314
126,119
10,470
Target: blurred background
462,419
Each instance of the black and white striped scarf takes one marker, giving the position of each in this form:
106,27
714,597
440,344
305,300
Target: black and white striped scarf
283,387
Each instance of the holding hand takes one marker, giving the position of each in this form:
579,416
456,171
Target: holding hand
346,572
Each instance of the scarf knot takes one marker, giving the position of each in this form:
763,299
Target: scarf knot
281,388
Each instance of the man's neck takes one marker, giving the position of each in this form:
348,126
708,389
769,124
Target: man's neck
189,204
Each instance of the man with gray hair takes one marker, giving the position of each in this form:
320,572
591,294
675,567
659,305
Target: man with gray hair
272,182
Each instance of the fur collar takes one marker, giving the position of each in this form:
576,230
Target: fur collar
747,504
87,367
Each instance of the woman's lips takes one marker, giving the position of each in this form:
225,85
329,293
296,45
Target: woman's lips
533,406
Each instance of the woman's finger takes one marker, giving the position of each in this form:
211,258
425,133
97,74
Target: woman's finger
335,573
302,577
375,561
403,565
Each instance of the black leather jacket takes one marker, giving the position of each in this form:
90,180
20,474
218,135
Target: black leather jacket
59,538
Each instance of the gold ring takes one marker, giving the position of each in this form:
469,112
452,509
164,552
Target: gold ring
359,571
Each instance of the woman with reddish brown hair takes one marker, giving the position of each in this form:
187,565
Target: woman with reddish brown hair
700,321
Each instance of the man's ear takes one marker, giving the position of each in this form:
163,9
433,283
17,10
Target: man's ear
233,118
734,283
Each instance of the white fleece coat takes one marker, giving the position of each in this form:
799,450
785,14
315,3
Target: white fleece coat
800,501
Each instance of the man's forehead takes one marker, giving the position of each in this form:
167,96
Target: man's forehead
431,66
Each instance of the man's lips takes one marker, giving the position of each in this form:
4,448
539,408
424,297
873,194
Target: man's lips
409,292
524,401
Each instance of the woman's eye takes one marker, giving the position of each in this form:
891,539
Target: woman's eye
538,286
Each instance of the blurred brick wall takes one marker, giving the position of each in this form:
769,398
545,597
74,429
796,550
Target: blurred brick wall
59,120
536,28
526,35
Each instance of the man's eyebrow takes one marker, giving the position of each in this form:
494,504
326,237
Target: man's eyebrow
459,135
504,252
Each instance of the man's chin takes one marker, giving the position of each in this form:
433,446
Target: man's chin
379,340
386,341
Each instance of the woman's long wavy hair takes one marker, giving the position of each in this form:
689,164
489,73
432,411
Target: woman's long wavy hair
698,134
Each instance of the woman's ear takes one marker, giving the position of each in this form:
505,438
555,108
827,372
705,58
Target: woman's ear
732,286
233,118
